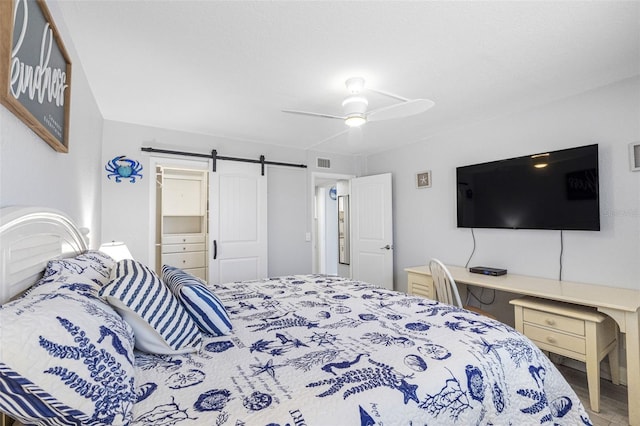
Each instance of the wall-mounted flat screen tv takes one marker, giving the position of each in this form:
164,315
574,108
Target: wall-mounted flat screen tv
549,190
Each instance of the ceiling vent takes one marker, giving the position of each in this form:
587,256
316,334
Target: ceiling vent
323,163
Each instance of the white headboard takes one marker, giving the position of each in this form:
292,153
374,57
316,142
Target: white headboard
29,237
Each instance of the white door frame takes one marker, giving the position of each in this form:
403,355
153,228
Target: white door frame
316,176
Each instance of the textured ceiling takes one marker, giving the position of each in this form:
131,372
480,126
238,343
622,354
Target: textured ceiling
228,68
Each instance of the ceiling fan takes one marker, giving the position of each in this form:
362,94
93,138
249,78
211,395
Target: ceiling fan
355,106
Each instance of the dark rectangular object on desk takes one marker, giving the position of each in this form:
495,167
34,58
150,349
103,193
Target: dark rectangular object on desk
485,270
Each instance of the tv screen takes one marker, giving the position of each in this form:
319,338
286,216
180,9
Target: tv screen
550,190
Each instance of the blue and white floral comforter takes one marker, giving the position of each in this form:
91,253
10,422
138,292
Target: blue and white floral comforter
316,350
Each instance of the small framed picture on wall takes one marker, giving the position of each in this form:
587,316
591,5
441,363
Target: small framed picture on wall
423,179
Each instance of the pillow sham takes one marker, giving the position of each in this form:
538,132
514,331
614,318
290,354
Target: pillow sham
93,265
204,307
90,270
160,323
65,358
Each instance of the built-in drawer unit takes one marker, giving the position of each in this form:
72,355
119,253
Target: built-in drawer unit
574,331
185,251
184,260
197,272
182,238
182,248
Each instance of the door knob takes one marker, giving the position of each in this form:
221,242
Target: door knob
387,247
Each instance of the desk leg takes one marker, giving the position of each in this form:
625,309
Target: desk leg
632,335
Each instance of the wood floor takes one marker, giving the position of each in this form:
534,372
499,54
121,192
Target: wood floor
613,399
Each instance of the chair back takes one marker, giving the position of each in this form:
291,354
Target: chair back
445,286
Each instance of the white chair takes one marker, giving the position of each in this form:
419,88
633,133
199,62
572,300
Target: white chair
447,289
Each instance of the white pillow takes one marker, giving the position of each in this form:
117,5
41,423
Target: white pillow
160,323
203,306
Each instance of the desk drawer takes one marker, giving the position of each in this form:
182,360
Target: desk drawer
548,339
185,260
421,290
420,285
554,321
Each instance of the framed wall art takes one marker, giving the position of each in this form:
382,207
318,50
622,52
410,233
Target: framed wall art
423,179
35,70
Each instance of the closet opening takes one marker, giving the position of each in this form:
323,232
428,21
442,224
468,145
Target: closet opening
180,216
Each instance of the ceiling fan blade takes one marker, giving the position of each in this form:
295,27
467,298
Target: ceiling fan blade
312,114
329,139
403,109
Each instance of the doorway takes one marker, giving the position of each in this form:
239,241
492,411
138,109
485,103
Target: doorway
327,188
370,223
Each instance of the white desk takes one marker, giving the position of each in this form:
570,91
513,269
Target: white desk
621,304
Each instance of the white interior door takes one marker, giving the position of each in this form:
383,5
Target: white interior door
372,230
238,223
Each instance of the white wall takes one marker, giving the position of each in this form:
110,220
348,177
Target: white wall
425,223
289,252
32,173
125,207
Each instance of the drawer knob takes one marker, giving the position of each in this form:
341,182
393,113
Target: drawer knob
184,240
551,339
184,248
549,321
184,261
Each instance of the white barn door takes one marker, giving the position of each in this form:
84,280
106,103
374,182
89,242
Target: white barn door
372,230
238,223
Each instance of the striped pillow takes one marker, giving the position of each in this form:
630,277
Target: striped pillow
203,306
160,323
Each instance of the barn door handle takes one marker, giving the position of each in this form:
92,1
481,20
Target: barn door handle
215,249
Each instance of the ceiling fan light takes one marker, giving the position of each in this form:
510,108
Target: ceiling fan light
355,120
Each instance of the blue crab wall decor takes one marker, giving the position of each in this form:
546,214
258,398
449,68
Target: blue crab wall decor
122,167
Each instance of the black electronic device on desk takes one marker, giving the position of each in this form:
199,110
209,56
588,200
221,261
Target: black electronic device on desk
485,270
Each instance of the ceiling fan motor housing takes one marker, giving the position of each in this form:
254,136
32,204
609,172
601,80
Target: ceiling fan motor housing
355,105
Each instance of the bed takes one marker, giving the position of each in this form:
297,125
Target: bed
294,350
